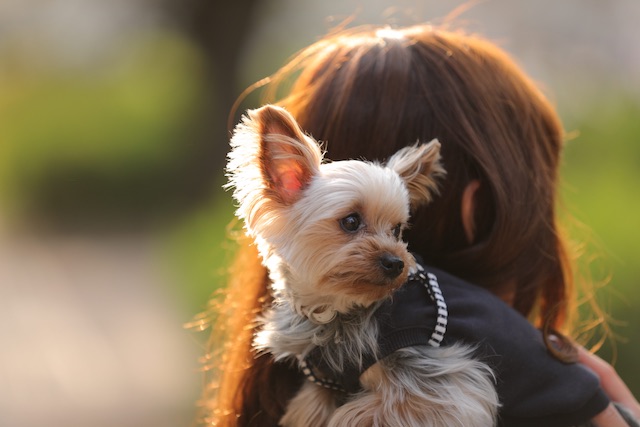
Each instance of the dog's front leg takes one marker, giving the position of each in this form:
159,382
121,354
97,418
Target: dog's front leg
311,407
385,403
423,387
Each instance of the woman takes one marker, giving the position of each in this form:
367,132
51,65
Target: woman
368,92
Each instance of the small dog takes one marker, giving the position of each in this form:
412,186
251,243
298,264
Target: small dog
330,237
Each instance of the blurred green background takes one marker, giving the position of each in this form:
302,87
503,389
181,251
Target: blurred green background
112,142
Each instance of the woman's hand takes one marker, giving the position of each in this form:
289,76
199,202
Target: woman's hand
615,388
610,417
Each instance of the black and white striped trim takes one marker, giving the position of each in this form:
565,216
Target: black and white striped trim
430,281
308,372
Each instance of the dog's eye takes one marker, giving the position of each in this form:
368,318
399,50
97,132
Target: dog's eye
397,230
351,223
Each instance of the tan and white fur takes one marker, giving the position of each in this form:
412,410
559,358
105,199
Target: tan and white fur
330,237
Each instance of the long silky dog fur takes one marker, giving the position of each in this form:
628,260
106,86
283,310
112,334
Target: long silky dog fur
327,280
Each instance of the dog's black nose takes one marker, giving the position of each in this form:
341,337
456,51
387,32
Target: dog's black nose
391,265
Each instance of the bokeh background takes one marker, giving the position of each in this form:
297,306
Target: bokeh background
112,140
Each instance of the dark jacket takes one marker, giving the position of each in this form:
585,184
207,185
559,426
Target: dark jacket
535,389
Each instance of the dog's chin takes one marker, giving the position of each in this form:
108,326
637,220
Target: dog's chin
363,290
375,294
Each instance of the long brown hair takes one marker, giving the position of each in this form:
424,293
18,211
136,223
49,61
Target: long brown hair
367,92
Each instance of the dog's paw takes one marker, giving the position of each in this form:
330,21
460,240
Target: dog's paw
311,407
424,387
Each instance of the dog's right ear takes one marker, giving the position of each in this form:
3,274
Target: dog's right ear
270,163
288,158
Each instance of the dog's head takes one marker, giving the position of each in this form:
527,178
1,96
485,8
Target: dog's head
330,233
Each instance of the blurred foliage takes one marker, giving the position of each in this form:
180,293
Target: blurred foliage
602,167
601,171
103,143
199,249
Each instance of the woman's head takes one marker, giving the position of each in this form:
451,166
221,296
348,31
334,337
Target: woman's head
369,92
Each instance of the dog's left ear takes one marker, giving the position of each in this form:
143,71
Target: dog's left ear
288,158
420,168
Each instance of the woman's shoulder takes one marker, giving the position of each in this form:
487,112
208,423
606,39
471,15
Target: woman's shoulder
535,388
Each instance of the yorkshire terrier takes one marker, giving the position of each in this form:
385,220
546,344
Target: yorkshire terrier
330,235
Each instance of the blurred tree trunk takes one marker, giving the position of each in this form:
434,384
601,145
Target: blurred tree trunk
220,28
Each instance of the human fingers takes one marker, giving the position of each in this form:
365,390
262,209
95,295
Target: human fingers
610,417
611,382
